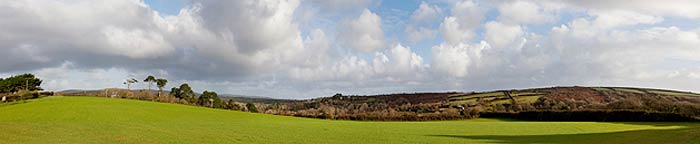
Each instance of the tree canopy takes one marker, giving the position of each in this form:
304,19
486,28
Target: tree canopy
150,79
161,83
209,99
183,92
251,107
20,82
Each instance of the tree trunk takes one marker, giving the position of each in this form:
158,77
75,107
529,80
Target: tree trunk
128,89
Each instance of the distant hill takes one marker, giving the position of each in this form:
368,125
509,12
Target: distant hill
554,103
255,99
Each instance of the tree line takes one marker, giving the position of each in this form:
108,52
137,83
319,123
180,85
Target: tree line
17,83
182,94
20,87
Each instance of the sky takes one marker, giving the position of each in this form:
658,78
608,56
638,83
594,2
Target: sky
298,49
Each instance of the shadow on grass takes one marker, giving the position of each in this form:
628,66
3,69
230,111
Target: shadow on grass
689,134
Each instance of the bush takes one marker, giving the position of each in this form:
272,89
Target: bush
251,107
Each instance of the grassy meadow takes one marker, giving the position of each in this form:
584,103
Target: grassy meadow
103,120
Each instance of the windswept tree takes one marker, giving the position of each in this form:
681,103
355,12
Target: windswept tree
150,79
209,99
161,83
129,82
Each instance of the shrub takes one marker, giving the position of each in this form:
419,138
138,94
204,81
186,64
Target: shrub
251,107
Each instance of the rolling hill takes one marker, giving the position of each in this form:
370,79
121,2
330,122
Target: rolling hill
541,104
60,119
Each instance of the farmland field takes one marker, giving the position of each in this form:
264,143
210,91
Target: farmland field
102,120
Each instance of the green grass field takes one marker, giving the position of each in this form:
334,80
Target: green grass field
103,120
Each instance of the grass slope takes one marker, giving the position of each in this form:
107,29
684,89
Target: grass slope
102,120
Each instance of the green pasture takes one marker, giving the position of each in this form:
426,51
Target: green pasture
494,97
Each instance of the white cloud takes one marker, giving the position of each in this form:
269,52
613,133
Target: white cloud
145,44
678,8
453,33
67,76
607,21
620,18
396,64
457,60
403,62
319,44
422,20
500,35
524,12
621,55
260,34
363,34
466,16
426,13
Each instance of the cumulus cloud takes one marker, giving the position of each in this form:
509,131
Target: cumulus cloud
363,34
459,27
144,44
619,18
501,35
681,8
453,33
468,14
317,43
398,63
525,12
426,13
421,23
605,47
457,60
260,33
623,55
